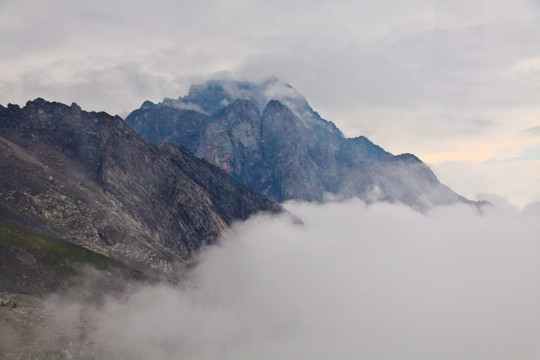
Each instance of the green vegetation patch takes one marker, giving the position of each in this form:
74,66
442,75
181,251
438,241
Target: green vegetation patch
37,264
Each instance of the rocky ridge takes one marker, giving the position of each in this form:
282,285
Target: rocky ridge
86,177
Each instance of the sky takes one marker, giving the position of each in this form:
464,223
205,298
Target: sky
455,82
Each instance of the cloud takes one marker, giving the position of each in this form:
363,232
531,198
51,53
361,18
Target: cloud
518,181
477,126
533,131
527,154
101,89
423,51
355,281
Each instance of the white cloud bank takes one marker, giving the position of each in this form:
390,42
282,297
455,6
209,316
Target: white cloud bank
354,282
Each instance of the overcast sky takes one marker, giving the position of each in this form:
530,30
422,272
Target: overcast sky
455,82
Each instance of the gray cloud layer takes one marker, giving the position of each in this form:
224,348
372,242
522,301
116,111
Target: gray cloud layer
388,53
355,282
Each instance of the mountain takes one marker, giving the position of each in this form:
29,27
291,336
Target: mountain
87,178
268,137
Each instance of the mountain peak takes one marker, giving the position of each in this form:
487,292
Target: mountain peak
286,150
213,95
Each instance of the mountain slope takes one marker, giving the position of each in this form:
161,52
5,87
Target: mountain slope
88,178
268,137
39,265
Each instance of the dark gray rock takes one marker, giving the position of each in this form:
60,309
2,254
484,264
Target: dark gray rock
8,304
88,178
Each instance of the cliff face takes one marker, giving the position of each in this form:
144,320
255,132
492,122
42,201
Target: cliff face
268,137
88,178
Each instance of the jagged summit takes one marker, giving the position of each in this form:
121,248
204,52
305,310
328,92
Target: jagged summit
267,136
213,95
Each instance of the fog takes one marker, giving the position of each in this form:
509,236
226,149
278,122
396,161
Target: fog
353,282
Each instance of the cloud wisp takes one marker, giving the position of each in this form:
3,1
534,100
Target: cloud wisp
354,281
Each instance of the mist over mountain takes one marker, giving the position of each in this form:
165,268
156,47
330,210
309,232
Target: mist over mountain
268,137
449,283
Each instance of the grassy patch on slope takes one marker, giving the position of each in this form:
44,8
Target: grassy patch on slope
36,264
